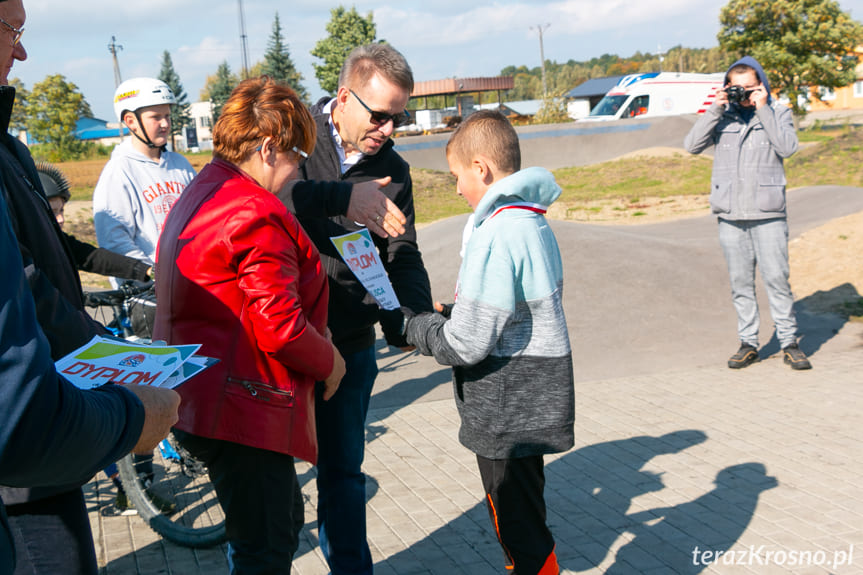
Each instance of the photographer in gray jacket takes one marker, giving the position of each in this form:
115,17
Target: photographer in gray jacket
752,135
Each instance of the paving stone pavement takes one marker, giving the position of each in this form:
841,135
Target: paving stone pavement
692,468
669,470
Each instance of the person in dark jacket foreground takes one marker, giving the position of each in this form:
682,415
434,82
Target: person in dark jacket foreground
53,433
52,436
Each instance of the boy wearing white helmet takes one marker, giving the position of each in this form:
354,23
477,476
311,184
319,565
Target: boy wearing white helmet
142,180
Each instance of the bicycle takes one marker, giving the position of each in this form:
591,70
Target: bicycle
196,519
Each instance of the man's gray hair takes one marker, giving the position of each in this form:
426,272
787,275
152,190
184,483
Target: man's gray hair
365,61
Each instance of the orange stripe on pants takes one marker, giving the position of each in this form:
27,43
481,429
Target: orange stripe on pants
509,562
550,567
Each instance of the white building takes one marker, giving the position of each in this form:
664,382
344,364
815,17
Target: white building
198,135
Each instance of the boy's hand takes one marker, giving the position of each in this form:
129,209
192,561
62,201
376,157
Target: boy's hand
445,309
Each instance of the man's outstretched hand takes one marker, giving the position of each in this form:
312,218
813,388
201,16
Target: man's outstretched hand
370,207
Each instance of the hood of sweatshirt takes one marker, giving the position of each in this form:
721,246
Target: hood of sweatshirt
759,71
535,186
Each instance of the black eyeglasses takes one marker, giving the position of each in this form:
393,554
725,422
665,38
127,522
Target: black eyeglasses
16,32
381,118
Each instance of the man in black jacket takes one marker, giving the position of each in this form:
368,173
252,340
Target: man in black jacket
354,145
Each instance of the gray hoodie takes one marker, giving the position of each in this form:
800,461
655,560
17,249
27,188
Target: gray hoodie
133,197
748,181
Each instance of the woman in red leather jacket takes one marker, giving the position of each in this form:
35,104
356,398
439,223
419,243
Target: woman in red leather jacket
237,274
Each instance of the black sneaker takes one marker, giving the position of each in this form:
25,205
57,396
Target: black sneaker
795,358
121,507
746,355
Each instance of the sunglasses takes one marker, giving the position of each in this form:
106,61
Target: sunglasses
381,118
16,32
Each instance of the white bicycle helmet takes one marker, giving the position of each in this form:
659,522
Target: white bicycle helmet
137,93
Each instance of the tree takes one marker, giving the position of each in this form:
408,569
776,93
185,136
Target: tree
180,115
801,44
18,120
218,88
347,30
553,110
53,109
278,64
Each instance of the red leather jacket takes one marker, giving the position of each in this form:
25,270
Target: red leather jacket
237,274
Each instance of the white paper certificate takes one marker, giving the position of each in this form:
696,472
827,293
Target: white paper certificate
103,360
359,252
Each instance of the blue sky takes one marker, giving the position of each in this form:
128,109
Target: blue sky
440,39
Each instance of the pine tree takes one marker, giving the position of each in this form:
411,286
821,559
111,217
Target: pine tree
180,115
219,88
278,65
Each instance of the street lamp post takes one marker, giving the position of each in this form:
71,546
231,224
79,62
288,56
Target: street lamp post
540,28
113,47
244,46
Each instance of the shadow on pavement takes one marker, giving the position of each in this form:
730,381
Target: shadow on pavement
407,391
588,495
820,317
692,536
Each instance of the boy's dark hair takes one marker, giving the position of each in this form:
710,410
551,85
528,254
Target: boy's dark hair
487,133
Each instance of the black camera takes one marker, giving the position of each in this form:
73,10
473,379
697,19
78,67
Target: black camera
738,94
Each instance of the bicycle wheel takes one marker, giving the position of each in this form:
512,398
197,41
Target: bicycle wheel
179,479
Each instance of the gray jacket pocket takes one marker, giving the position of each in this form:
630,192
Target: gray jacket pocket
771,198
720,197
771,189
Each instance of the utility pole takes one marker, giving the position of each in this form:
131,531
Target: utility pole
113,47
244,47
661,55
540,28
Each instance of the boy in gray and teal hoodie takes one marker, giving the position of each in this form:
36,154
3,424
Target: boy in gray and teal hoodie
506,336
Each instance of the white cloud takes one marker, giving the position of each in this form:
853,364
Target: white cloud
501,20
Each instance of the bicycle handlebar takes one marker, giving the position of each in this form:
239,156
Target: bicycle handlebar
118,296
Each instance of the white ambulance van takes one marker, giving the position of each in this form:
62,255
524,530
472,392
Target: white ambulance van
657,94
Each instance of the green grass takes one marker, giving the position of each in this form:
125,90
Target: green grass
836,157
678,175
435,196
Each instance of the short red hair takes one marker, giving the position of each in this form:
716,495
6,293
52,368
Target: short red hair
259,108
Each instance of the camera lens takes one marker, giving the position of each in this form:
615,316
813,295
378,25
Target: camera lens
737,94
